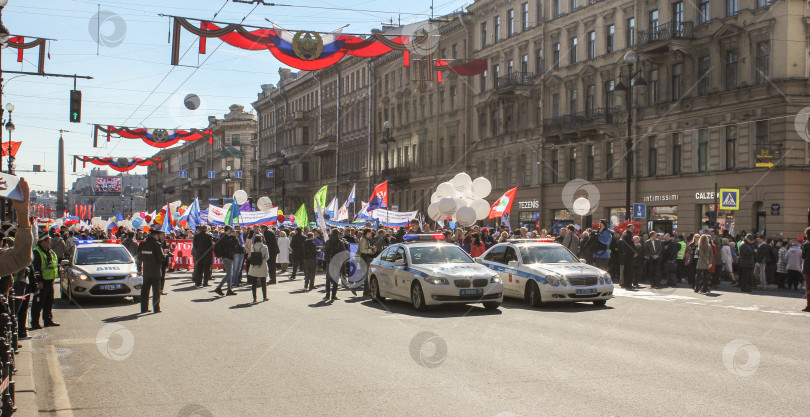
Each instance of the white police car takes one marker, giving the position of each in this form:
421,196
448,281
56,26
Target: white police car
100,268
540,271
428,273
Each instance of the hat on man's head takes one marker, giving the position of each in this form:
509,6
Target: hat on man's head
44,237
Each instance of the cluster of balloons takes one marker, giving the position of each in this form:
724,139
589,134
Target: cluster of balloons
621,227
462,200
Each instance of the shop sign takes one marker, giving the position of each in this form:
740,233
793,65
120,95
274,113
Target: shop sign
532,204
705,195
660,197
775,209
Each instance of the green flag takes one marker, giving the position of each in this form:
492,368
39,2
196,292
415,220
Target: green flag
301,218
320,198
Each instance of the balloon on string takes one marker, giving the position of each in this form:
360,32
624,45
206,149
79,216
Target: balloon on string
146,228
241,197
581,206
142,214
433,211
280,218
192,101
462,182
137,222
446,189
481,187
264,204
447,206
148,218
466,216
481,208
434,197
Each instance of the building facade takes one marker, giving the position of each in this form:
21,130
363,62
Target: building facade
129,198
209,172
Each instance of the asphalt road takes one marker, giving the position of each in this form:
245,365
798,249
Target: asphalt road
647,353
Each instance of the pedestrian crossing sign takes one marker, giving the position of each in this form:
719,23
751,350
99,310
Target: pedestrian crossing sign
729,199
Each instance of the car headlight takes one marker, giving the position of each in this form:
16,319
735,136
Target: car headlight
554,280
133,275
495,280
608,281
563,281
437,281
80,275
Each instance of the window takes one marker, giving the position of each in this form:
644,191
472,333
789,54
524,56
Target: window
441,151
555,165
731,69
509,67
653,23
609,93
524,21
539,12
591,45
677,15
510,22
703,73
652,86
555,8
484,81
652,158
590,167
235,140
731,7
572,53
304,171
572,5
483,34
572,100
539,171
763,3
538,64
609,161
423,107
676,153
555,105
703,12
677,81
507,173
763,138
611,36
430,105
497,28
496,73
454,51
453,98
731,147
494,174
631,32
590,98
556,56
495,123
763,62
524,64
539,115
305,135
703,151
572,164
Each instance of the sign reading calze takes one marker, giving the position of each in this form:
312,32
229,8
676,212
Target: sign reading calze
108,184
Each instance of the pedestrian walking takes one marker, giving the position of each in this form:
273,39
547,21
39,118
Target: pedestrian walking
309,258
283,251
365,251
273,250
203,250
151,258
225,248
258,269
297,247
747,261
334,246
653,249
704,263
794,265
627,255
781,263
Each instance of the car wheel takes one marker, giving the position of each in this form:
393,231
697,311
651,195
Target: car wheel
533,295
600,303
374,286
418,297
492,305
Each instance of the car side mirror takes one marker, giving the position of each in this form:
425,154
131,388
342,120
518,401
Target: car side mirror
513,264
478,260
399,262
65,262
582,260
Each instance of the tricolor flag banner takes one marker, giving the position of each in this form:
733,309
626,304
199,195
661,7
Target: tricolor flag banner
363,213
351,195
191,217
321,221
379,197
343,212
332,208
503,205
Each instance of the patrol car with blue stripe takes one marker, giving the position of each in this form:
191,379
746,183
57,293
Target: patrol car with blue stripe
100,269
540,271
427,273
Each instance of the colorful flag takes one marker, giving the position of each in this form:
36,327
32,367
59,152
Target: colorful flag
192,215
246,207
351,195
301,218
320,197
119,216
14,146
232,217
503,205
363,213
321,221
379,198
332,208
343,212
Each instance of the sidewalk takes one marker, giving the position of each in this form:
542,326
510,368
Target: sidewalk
26,397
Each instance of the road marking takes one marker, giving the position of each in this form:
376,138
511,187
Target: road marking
61,401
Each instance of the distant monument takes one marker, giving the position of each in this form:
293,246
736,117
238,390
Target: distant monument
60,181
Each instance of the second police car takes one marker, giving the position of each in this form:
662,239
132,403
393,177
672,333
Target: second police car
428,273
540,271
100,268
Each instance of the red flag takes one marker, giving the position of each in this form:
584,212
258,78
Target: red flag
15,146
379,197
503,205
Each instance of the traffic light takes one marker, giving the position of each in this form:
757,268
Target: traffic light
75,106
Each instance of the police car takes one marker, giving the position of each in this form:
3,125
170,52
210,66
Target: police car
540,271
100,268
426,273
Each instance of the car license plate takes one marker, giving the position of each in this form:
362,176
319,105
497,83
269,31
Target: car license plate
472,292
586,291
109,287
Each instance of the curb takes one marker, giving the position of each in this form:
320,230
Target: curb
25,392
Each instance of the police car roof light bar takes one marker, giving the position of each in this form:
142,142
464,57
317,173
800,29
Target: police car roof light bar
540,239
423,237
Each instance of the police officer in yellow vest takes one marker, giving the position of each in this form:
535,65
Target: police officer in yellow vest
46,270
679,261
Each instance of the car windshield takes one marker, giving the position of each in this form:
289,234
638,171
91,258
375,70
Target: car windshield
546,255
97,255
439,255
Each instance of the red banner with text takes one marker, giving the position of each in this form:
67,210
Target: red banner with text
181,255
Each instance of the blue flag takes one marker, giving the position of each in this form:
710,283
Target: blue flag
119,217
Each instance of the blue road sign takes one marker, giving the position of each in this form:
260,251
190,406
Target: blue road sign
270,173
639,210
237,174
183,174
211,174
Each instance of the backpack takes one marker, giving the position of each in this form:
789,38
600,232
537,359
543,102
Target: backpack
256,258
219,248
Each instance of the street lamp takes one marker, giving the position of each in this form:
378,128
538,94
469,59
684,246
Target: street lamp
386,141
10,127
633,79
284,164
228,180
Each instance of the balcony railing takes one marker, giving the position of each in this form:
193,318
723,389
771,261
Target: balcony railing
667,31
515,79
395,175
600,116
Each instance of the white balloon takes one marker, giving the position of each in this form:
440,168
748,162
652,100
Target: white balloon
434,198
462,182
581,206
465,216
446,189
481,187
241,197
447,206
264,204
433,212
481,208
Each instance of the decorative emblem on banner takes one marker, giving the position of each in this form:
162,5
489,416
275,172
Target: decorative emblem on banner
160,135
122,162
307,45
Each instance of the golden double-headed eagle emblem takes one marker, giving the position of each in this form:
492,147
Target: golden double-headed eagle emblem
307,45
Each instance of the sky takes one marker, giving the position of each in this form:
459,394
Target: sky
134,84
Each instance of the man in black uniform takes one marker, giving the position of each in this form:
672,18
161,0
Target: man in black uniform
46,270
150,256
272,248
203,249
297,245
